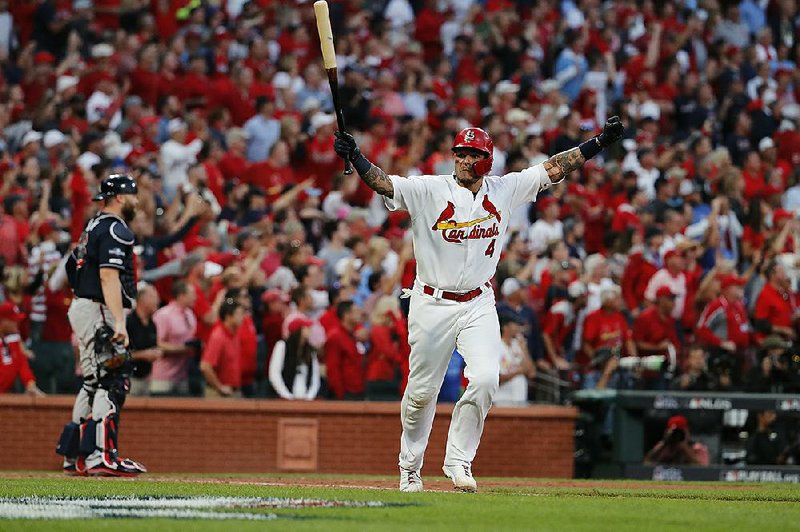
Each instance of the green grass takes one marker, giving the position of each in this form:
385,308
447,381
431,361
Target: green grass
724,507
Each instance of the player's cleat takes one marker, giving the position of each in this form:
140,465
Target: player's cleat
115,469
461,475
410,481
75,468
133,464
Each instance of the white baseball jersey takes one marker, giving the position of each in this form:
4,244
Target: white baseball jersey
458,237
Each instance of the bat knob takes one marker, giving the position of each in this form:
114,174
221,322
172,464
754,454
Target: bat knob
348,168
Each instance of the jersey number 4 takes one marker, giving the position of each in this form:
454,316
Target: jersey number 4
490,249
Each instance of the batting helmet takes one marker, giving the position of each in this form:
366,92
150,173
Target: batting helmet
116,184
477,139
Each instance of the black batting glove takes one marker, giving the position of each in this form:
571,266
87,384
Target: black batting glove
612,132
345,146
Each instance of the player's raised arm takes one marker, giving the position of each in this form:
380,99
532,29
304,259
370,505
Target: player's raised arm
375,178
562,164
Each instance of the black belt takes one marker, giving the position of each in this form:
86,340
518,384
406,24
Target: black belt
460,297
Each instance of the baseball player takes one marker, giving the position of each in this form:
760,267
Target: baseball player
458,225
101,273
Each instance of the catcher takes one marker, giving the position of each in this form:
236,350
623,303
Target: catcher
101,273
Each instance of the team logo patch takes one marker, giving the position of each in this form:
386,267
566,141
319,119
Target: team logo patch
469,136
453,231
116,251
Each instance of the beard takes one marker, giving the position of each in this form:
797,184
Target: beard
128,213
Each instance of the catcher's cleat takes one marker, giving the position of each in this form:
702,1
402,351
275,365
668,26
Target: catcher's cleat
75,468
114,468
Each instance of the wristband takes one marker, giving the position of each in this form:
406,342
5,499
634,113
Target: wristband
590,148
361,163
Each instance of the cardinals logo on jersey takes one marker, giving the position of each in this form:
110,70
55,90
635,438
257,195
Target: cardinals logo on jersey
453,231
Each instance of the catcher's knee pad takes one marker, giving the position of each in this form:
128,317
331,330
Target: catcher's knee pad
70,441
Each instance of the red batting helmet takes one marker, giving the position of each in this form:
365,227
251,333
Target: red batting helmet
477,139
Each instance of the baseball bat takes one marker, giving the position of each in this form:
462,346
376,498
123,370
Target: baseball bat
329,60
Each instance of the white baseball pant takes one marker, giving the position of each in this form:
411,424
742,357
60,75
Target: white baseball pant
436,327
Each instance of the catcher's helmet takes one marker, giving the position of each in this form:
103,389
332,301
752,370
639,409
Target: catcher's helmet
116,184
477,139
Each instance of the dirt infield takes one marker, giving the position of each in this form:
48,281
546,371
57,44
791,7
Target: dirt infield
433,484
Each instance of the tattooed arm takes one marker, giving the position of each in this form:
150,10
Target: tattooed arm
562,164
375,178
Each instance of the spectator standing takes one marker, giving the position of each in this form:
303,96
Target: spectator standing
176,157
516,366
294,370
221,359
344,354
671,277
54,363
571,65
642,265
387,360
143,339
606,328
548,228
177,329
13,362
263,130
560,327
776,307
514,302
724,323
655,328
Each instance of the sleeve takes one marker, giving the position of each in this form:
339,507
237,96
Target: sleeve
333,366
161,327
213,349
195,147
276,369
113,246
628,282
25,373
652,286
201,305
761,311
710,320
382,345
160,243
590,329
527,184
410,194
313,390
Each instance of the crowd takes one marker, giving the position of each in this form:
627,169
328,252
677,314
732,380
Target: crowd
264,271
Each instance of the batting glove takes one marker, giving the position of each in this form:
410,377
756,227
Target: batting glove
612,132
345,146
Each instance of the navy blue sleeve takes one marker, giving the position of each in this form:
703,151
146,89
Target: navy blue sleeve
113,246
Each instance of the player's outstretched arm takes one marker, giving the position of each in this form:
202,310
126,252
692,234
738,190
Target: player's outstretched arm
562,164
375,178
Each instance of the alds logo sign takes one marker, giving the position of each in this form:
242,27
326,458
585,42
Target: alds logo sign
456,232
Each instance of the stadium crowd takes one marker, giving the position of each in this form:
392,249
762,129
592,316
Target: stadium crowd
264,271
